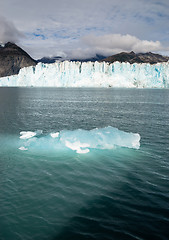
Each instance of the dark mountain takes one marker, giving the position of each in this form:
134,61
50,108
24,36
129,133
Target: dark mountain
132,57
12,59
97,57
49,60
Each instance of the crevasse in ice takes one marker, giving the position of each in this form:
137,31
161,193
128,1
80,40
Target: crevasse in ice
91,74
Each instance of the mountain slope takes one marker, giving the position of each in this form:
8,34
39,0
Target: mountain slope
132,57
95,58
12,59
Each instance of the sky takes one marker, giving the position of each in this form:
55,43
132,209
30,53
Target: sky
81,29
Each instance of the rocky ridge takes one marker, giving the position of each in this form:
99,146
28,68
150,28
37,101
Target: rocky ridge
132,57
12,59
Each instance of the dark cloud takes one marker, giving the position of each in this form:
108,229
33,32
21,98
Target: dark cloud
8,32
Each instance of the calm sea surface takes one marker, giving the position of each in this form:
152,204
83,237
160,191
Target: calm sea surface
119,193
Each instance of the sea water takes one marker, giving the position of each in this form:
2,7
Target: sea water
64,172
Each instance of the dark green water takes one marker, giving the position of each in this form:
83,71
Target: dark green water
119,193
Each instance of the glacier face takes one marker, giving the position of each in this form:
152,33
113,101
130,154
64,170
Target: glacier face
91,74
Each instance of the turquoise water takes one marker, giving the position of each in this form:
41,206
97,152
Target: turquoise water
57,193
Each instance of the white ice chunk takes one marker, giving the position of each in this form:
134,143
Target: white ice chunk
136,142
77,146
54,135
27,135
23,148
83,150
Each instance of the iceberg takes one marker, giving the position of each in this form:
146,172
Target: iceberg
91,74
80,141
54,135
29,134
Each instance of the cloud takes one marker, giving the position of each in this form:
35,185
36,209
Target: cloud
90,45
58,26
113,43
8,32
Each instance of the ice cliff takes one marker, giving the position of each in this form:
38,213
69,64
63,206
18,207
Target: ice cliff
91,74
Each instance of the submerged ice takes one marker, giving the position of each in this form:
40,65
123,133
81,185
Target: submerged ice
81,141
91,74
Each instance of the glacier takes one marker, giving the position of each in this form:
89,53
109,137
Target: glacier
79,140
91,74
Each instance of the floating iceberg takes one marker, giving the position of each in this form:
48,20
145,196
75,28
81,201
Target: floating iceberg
54,135
29,134
91,74
81,141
